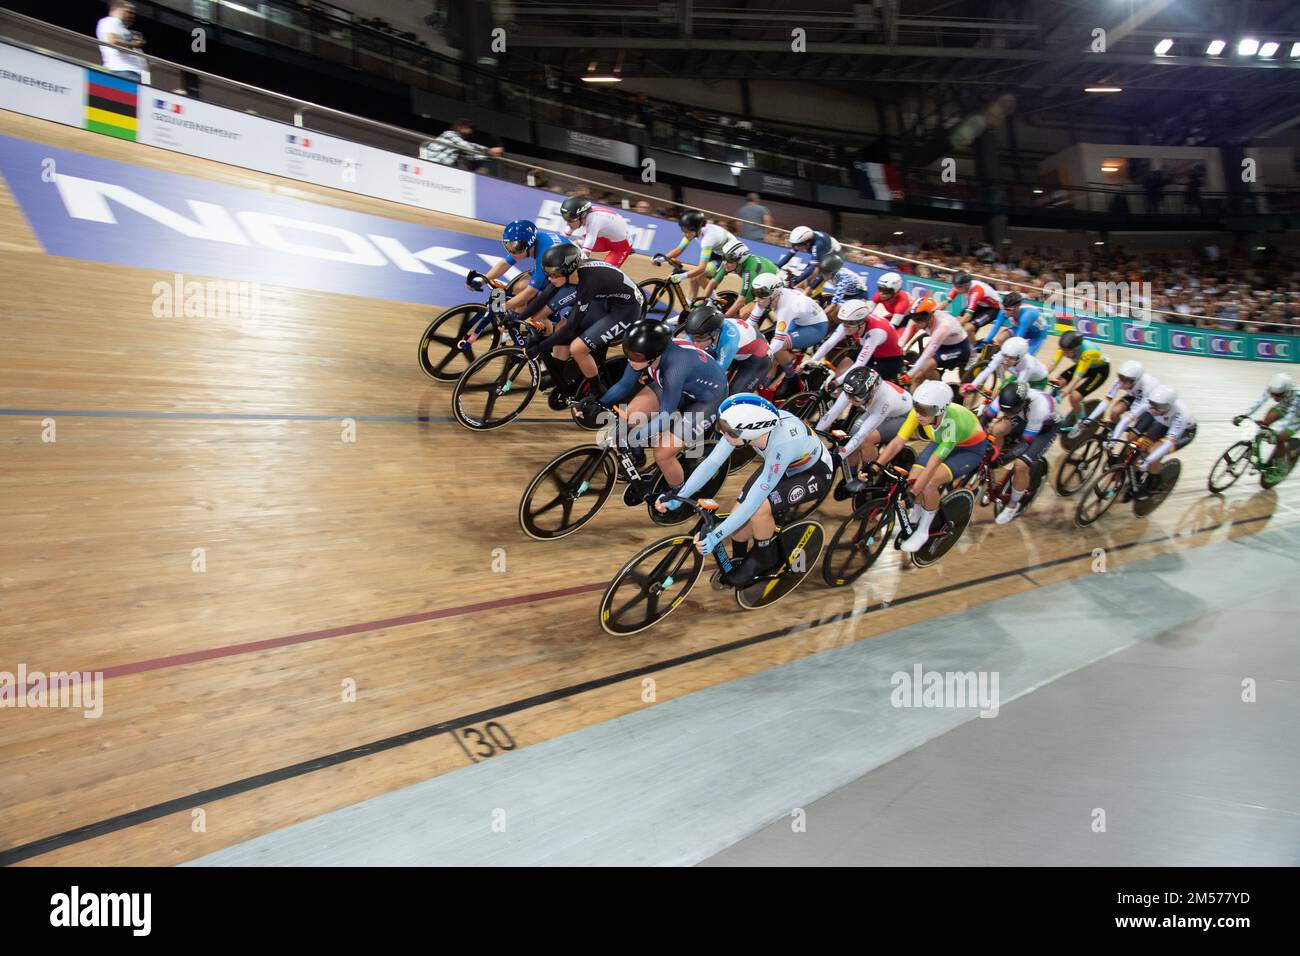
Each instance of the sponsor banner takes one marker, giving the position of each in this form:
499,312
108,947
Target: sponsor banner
1227,344
1099,330
584,144
1141,335
106,211
1189,341
414,182
324,160
111,105
37,85
184,125
1275,349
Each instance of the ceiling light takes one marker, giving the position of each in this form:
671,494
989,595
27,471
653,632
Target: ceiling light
1110,169
1248,47
1295,49
1215,47
602,79
1103,89
898,232
1164,46
1268,49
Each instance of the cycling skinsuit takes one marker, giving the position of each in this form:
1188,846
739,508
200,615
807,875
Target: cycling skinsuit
686,379
545,239
959,441
1092,368
752,266
1030,324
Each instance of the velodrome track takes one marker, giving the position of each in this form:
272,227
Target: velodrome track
329,562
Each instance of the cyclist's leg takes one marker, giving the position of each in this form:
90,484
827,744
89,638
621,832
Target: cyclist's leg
605,323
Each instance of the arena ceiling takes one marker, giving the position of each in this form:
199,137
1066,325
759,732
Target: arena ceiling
1043,52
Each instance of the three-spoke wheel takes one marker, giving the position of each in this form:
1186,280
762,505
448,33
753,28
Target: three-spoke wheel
495,389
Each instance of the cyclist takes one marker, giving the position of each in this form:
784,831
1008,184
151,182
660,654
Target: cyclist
732,343
818,244
1089,369
1165,419
738,260
794,466
679,381
983,304
948,346
1014,359
877,338
597,229
1136,384
845,285
1022,422
957,446
890,294
605,302
713,239
882,408
800,322
1026,322
1283,417
523,240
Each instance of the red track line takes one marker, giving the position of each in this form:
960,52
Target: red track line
231,650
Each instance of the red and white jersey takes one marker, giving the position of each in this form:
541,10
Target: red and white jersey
979,292
897,307
601,223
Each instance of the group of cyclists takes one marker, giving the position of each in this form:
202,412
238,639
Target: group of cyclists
713,367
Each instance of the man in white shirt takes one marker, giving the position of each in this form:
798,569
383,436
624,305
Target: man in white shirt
117,40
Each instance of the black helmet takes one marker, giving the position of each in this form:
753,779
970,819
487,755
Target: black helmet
1012,299
703,320
574,208
1071,340
647,340
1013,397
860,382
692,219
962,278
831,263
561,259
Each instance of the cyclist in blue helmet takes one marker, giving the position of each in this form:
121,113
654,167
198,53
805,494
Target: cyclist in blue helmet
523,240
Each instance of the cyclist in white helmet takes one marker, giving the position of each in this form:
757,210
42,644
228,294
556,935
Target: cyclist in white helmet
1283,417
793,467
1134,382
800,322
1163,418
816,245
890,294
1014,359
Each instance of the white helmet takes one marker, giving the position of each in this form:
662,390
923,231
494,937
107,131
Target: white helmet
932,398
746,415
1015,348
889,282
766,283
799,235
1280,385
1162,399
856,311
1131,371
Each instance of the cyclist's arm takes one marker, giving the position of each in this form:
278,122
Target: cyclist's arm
989,369
829,343
867,424
997,326
728,343
670,398
780,263
1259,403
621,390
774,470
544,298
870,342
706,469
833,413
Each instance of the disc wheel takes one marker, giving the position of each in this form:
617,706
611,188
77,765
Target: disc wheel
1168,478
1273,475
954,511
802,544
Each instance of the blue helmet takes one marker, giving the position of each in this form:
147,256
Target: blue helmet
519,236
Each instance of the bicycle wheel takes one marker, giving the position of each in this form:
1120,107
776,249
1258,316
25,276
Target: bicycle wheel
659,300
567,492
858,541
709,490
1274,474
1099,494
802,544
1230,466
650,586
1087,431
808,407
1077,467
439,356
954,512
495,390
1168,478
1037,478
741,457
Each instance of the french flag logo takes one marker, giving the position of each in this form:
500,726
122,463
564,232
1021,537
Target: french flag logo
413,170
163,105
302,141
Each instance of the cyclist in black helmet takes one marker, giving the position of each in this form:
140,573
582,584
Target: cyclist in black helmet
667,383
734,344
713,239
1022,422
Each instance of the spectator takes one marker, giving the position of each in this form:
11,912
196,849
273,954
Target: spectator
753,212
643,207
454,147
117,41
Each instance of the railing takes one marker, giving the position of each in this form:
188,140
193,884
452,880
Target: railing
242,96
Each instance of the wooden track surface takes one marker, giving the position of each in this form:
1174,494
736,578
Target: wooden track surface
329,562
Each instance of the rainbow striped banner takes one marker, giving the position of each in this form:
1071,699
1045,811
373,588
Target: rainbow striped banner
111,105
